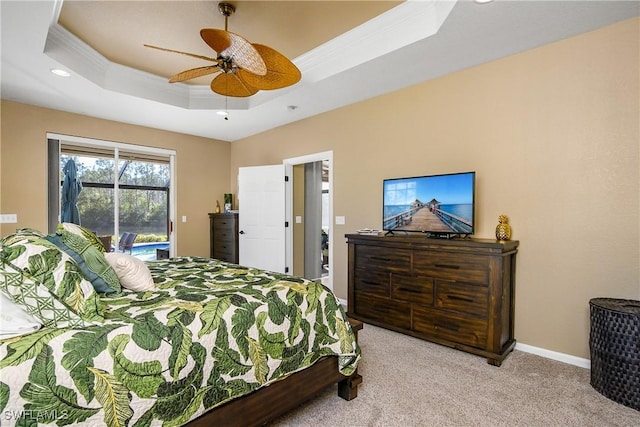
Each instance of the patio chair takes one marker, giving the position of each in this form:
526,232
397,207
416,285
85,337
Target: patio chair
123,238
126,242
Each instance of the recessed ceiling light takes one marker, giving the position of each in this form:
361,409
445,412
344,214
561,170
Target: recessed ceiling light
222,113
483,1
60,73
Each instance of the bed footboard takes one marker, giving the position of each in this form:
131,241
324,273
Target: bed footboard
270,402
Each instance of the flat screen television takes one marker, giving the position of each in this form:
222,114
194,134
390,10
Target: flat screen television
440,205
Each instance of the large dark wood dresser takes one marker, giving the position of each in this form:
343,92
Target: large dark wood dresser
457,292
224,236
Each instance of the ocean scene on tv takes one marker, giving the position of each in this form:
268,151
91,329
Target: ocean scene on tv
434,204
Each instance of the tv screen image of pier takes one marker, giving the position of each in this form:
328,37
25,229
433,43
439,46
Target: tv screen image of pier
434,204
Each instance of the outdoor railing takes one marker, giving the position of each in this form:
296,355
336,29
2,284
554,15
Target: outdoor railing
401,219
456,223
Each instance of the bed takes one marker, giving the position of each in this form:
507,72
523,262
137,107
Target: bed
180,341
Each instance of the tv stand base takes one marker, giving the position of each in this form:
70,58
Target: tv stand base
447,236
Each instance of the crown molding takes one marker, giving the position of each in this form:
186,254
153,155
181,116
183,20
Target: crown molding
402,25
64,47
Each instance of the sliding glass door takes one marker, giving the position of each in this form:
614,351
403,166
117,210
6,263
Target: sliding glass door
125,189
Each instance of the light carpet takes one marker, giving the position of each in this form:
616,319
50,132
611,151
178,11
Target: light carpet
410,382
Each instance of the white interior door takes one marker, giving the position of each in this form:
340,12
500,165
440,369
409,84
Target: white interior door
261,220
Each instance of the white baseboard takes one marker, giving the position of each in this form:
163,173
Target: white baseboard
550,354
343,303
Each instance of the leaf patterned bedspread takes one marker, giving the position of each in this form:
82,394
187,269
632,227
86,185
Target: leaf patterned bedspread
210,332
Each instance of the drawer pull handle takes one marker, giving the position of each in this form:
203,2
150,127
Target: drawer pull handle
369,282
448,326
457,298
449,266
377,258
415,291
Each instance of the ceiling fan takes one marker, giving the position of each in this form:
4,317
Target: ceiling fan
245,68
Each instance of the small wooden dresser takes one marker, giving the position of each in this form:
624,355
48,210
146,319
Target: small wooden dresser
224,236
459,292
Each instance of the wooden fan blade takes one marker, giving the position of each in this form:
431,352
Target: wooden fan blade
229,84
217,40
194,72
193,55
234,46
281,72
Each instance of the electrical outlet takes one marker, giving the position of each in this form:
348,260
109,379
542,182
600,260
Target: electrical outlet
184,218
339,220
8,218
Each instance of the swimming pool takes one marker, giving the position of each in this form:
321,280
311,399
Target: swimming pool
147,251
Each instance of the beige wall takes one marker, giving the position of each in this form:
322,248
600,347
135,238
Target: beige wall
553,134
202,168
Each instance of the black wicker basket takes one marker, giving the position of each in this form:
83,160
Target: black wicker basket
615,349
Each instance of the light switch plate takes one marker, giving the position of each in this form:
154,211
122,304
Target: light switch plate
8,218
339,220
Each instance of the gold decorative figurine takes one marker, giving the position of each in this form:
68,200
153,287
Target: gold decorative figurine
217,206
503,229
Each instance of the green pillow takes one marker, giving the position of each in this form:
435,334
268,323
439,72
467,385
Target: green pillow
91,261
85,233
47,282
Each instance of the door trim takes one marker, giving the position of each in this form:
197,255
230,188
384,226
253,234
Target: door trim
288,170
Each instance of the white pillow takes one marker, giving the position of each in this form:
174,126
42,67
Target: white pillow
14,320
132,272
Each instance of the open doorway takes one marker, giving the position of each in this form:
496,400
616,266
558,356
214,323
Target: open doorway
309,210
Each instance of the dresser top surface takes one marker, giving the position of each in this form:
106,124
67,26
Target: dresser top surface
419,240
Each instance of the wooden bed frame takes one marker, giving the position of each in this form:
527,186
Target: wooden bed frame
270,402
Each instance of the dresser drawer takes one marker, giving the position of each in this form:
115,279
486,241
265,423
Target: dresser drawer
378,258
225,238
418,290
224,233
225,256
223,248
458,267
372,282
471,299
383,310
455,328
224,220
